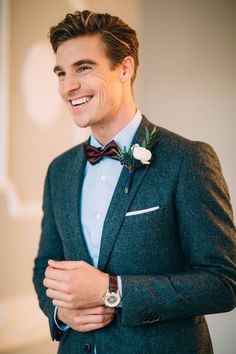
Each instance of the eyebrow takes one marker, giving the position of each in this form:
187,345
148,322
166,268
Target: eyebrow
76,64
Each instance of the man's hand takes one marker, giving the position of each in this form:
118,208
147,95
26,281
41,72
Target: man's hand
75,284
85,320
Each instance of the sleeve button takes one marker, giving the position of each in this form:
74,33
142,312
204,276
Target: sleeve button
87,347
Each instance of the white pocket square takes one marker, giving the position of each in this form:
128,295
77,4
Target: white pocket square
142,211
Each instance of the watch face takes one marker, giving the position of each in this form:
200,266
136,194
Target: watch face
112,299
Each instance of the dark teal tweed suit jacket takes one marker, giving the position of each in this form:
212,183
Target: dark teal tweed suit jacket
177,263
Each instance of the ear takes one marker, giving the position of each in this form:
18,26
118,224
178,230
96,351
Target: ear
127,69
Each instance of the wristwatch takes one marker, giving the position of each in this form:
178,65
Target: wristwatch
112,297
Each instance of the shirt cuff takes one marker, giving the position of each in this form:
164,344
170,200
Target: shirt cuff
61,326
119,283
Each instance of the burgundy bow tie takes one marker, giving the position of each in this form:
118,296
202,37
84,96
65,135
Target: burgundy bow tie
94,155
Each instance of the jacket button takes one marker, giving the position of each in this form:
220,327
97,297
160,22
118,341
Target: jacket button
87,348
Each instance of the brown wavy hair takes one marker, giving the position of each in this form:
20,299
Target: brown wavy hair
119,39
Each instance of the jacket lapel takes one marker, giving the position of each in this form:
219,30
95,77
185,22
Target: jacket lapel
120,201
77,248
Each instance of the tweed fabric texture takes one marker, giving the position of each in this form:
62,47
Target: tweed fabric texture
177,263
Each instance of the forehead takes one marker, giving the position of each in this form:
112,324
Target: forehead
80,48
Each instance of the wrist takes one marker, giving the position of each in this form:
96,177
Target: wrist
59,323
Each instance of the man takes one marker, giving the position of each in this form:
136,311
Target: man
138,242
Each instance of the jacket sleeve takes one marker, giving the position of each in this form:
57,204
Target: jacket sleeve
208,239
50,247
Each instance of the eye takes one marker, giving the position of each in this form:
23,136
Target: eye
60,74
84,68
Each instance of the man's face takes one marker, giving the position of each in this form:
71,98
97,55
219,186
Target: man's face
87,84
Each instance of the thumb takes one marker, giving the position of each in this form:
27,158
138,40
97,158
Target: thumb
66,265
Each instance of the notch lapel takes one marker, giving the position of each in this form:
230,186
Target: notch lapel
75,242
120,201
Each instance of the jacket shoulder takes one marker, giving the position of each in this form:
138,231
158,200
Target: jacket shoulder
67,156
65,162
176,144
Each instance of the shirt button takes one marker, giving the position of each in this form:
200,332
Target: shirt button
97,216
103,178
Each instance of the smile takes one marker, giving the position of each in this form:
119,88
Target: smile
80,101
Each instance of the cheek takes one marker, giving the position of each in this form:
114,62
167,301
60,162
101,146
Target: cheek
109,90
108,98
103,94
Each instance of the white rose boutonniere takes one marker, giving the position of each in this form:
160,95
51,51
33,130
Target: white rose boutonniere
137,155
142,154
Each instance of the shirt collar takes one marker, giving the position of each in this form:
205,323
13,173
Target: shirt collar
125,136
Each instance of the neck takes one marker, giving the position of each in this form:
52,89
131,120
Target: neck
106,131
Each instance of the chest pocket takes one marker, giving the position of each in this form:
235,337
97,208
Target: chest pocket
152,214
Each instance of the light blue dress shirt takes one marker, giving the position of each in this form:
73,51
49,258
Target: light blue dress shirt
99,184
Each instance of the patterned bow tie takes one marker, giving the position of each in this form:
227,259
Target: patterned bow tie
94,155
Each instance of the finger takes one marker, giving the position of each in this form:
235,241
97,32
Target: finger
98,310
52,284
102,310
64,264
82,320
109,309
93,319
72,318
91,326
63,304
66,315
55,274
58,295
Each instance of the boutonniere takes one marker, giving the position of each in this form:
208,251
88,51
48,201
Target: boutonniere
137,155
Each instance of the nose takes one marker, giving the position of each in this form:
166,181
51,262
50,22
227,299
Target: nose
71,83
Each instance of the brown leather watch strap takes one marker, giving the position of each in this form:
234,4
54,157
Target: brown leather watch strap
113,285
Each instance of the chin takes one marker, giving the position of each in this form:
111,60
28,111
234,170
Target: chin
81,123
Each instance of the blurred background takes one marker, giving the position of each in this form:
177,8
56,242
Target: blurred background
186,82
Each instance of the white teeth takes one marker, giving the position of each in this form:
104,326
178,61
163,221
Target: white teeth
80,100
